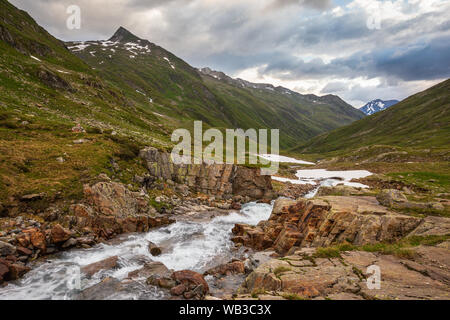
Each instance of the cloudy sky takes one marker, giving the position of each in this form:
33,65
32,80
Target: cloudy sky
358,49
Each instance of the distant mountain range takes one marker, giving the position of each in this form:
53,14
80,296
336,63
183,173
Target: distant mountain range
377,105
420,121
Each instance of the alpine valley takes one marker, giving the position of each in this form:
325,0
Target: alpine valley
93,208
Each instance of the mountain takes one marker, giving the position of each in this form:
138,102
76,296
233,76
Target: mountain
420,121
170,87
69,112
45,91
377,105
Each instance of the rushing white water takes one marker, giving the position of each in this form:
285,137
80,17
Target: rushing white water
193,245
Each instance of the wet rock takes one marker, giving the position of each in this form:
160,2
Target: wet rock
236,206
154,249
16,271
150,269
24,251
194,284
101,291
235,267
59,234
107,264
70,243
4,270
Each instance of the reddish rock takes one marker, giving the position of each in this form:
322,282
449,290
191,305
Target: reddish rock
236,206
38,239
107,264
24,251
23,240
323,221
178,290
16,271
4,270
191,279
235,267
58,234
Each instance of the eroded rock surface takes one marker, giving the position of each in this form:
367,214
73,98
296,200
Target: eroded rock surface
112,209
302,275
220,180
324,221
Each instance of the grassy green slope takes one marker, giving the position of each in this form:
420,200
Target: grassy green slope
420,121
45,90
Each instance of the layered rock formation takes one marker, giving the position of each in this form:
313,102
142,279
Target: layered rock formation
220,180
324,221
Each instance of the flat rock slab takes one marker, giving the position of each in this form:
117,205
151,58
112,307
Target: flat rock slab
344,278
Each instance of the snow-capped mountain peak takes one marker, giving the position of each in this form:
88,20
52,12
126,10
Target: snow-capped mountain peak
377,105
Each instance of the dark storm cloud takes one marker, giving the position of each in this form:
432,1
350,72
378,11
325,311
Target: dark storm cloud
417,62
290,42
316,4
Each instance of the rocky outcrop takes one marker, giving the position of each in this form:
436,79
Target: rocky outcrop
111,209
325,221
396,199
302,275
220,180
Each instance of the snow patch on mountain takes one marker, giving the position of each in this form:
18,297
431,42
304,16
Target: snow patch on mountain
377,106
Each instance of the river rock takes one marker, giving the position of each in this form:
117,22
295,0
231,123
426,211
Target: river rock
106,264
59,234
150,269
154,249
193,283
16,271
325,221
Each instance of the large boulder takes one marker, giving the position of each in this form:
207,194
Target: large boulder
110,209
391,198
59,234
106,264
